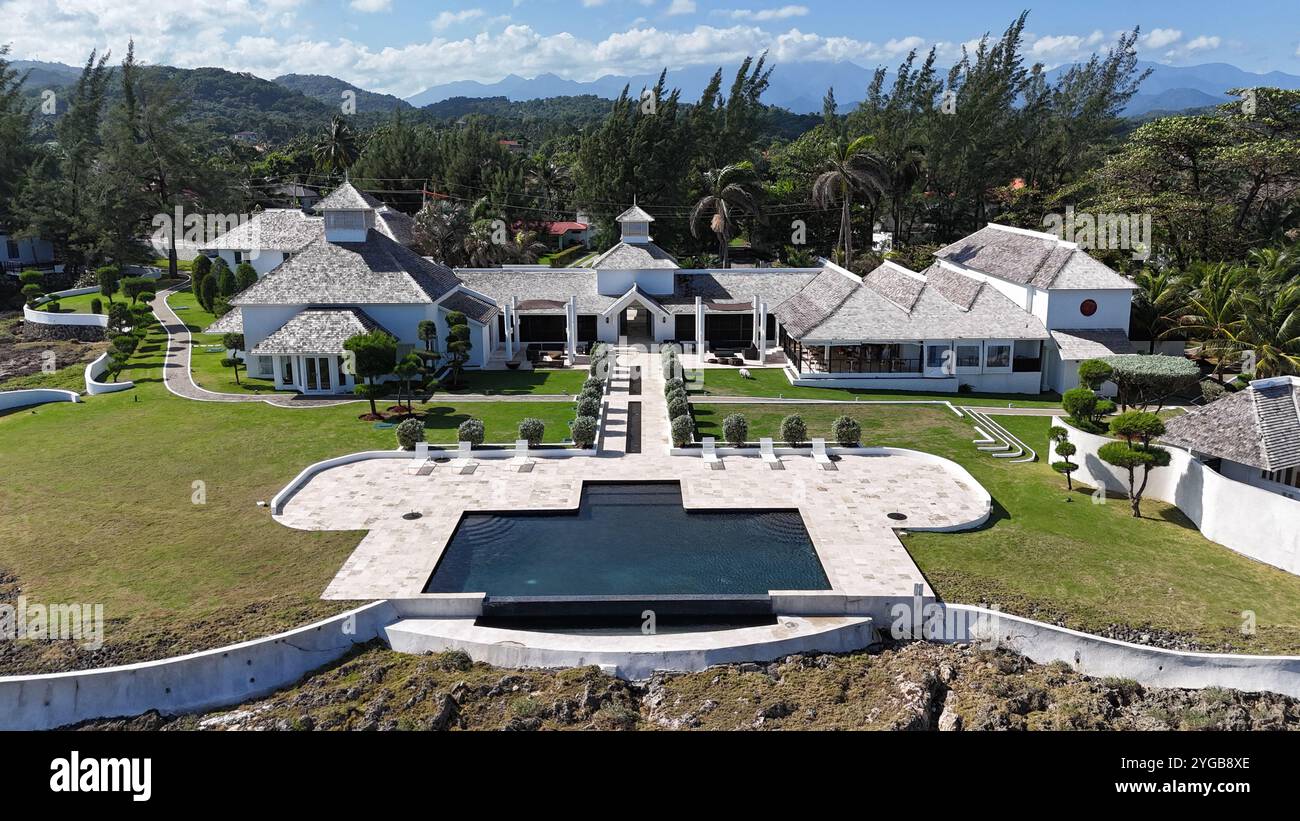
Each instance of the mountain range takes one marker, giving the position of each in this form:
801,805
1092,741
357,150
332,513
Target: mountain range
799,86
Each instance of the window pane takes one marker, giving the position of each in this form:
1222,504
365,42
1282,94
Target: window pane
934,355
968,356
999,356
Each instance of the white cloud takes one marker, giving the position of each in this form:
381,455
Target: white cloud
1204,43
681,7
1159,38
761,15
370,6
1056,49
447,19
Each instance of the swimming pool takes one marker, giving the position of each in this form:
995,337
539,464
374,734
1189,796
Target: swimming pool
629,540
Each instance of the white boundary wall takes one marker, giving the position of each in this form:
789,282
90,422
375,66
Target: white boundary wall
186,684
87,320
1257,523
96,369
1149,666
35,396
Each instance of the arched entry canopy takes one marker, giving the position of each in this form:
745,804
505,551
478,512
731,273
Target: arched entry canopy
657,323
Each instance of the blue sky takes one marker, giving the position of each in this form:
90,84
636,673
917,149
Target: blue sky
403,46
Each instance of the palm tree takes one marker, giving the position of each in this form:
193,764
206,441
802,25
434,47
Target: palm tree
1270,330
552,179
1158,302
1273,266
852,168
1213,314
336,150
440,230
730,189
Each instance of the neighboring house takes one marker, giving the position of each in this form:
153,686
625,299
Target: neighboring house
1252,436
17,254
1082,303
981,316
298,195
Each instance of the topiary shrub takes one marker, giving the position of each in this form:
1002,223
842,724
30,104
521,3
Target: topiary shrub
582,431
674,384
677,394
735,429
125,344
593,383
678,407
591,393
97,306
533,430
683,429
847,432
472,431
409,431
587,406
793,430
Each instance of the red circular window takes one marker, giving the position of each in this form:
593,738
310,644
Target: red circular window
1088,307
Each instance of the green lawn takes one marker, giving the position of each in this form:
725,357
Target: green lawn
189,311
1086,565
208,373
547,381
81,304
104,511
772,383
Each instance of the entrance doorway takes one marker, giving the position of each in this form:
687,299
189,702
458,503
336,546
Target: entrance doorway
637,324
317,376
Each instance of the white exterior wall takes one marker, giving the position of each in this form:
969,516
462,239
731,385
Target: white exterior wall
612,282
262,261
1062,309
29,250
1255,522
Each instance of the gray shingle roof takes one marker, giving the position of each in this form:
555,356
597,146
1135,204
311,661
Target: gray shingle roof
231,323
377,271
1031,258
834,307
1259,426
896,284
723,290
275,229
398,226
635,255
958,289
317,331
634,214
542,292
1091,343
347,198
471,306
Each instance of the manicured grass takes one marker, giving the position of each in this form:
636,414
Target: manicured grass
772,383
188,310
104,511
80,304
1053,554
208,372
547,381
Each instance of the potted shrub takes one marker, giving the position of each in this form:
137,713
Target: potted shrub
735,429
678,407
588,406
683,428
582,431
793,430
409,431
471,430
533,430
847,432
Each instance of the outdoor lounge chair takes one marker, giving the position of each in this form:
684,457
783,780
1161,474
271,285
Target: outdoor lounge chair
769,454
422,464
522,463
464,461
711,460
820,456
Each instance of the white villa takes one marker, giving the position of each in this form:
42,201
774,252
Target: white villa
1003,310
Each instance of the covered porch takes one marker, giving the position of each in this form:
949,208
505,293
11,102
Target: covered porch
307,355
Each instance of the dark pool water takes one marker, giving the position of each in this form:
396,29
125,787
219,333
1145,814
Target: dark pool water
629,540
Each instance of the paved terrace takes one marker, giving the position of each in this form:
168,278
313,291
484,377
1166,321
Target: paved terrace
844,510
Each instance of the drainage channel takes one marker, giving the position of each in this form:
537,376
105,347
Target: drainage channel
634,381
633,428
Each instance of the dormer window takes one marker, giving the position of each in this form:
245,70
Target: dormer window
634,223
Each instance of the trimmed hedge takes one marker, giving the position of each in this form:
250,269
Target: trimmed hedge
582,430
683,430
735,429
472,431
793,430
409,431
678,407
533,430
847,431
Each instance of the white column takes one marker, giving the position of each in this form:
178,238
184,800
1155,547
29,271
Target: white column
762,334
699,327
754,337
571,323
513,329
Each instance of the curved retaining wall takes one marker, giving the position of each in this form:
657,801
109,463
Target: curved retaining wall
36,396
1250,520
1150,666
47,318
186,684
95,370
